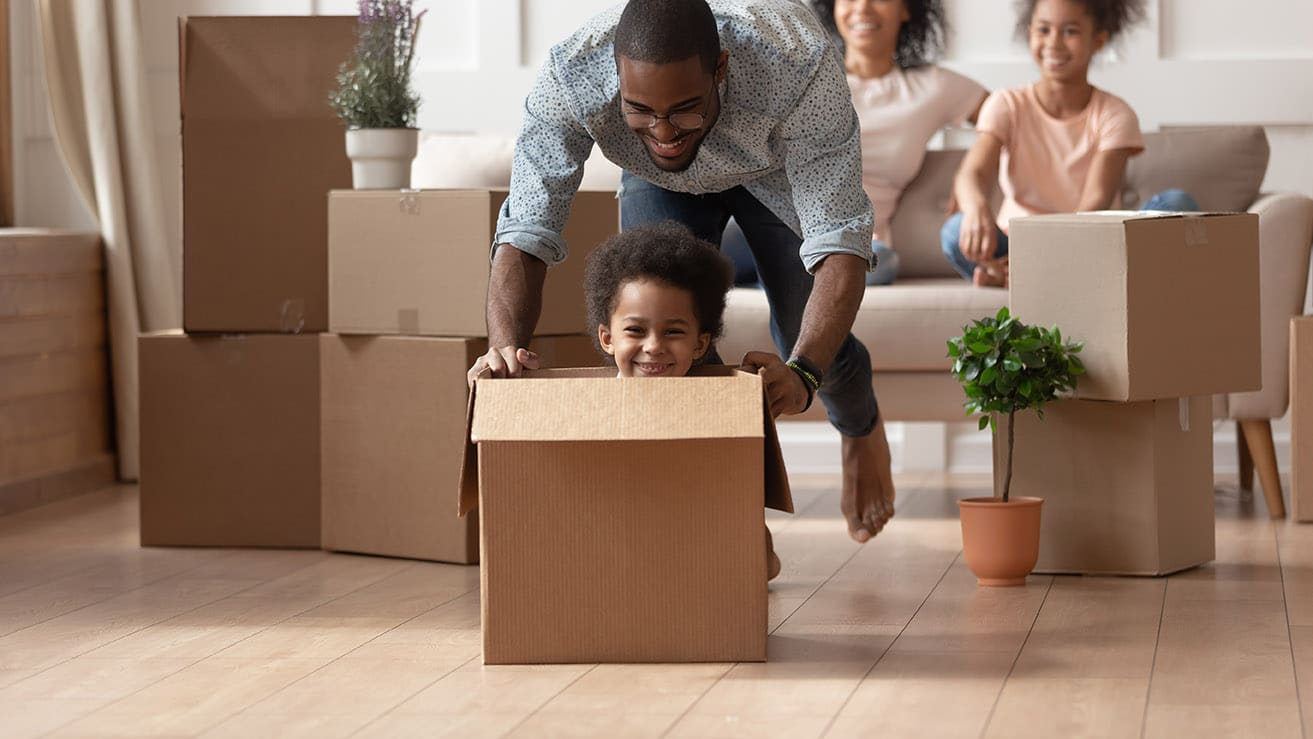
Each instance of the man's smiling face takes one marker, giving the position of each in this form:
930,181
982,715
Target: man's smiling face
682,95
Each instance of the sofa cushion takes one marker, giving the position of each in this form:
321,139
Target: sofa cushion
482,160
905,326
1221,166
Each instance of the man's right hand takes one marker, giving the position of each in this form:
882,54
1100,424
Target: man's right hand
505,361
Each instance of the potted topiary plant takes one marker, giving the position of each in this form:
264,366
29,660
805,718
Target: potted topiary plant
374,97
1006,366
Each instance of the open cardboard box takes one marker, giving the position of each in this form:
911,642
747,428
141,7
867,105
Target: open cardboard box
1166,303
621,519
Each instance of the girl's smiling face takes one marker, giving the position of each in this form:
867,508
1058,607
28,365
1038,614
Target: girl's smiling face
1063,39
654,331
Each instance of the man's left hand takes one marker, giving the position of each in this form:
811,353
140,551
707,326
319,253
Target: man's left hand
784,388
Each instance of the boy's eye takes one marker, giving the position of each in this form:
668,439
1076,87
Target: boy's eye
634,330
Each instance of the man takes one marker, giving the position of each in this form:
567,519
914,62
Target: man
712,110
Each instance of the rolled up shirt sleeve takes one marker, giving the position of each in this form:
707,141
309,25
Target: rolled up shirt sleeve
823,161
545,172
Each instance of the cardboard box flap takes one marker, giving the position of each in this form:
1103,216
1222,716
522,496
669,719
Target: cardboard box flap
261,67
624,409
712,402
1111,217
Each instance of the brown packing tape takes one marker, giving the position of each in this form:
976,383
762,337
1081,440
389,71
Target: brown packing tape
408,320
1196,231
291,316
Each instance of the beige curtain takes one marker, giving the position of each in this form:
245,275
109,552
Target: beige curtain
98,100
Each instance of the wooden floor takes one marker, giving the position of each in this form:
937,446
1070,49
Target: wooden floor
99,637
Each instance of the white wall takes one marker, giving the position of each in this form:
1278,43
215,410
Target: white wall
1193,62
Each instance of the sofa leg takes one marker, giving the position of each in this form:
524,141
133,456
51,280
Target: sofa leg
1258,437
1246,460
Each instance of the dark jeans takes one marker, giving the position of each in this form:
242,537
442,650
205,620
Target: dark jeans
846,392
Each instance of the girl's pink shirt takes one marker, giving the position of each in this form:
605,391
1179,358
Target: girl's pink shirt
1046,160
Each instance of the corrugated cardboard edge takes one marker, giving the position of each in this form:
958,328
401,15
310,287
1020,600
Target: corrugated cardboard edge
777,493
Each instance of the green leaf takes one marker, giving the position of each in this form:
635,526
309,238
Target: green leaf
987,377
953,351
981,347
1012,363
984,421
1002,314
972,372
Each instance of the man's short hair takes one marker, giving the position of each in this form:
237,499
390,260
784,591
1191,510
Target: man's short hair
667,31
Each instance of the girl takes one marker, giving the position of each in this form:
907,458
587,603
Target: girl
1063,144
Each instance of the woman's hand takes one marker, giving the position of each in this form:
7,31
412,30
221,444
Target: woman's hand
784,388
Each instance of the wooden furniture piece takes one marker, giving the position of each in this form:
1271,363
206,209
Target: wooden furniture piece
54,397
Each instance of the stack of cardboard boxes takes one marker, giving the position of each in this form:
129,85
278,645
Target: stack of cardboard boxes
1168,308
260,428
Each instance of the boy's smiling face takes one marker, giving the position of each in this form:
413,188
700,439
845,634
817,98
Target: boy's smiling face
654,331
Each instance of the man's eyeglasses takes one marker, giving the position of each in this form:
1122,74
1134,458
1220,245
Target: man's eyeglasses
681,121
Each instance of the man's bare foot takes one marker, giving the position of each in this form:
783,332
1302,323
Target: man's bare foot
992,273
773,565
868,483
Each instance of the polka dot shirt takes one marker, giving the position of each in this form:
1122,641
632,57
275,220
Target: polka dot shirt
787,132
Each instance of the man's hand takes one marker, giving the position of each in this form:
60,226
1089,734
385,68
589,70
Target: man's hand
505,361
784,388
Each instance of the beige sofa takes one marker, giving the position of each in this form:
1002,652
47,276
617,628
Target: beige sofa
905,325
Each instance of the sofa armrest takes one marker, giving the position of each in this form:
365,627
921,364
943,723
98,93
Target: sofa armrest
1285,234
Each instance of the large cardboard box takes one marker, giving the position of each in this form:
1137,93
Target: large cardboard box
621,519
260,151
1166,303
1127,487
416,262
1301,418
229,440
394,412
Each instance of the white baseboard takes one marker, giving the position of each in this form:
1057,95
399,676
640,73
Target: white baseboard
812,447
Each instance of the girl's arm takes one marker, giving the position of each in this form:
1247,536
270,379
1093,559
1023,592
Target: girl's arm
1104,179
971,188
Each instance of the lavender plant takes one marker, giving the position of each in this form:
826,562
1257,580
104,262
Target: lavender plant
373,86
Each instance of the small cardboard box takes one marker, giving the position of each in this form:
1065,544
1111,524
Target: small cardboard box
1127,487
416,262
621,519
1167,304
260,151
229,440
394,411
1301,418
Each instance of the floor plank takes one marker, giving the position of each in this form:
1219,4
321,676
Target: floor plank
99,637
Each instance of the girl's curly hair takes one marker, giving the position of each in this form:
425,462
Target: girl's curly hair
1112,16
920,40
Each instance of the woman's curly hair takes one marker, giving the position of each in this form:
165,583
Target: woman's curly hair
1112,16
920,40
662,252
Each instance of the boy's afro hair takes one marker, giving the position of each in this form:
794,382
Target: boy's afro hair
663,252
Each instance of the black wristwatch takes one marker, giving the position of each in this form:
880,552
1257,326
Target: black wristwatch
810,374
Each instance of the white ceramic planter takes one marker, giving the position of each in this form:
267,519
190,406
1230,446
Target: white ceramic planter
381,157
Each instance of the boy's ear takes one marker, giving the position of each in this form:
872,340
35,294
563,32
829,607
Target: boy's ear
1100,41
604,338
704,343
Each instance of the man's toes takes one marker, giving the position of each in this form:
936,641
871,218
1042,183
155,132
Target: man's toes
859,533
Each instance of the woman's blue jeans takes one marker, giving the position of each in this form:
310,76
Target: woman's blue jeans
950,235
846,392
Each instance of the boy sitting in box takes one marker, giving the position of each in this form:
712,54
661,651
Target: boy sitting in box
657,296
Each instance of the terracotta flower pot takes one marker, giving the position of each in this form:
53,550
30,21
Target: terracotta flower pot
1000,541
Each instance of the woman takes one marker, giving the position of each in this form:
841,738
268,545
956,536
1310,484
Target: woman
901,98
